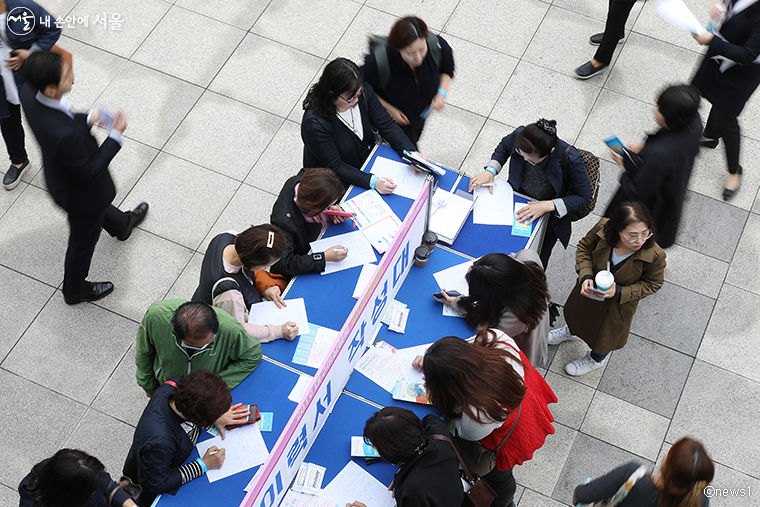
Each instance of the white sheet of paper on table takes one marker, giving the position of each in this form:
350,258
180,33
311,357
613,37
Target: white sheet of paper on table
380,234
369,208
364,278
407,183
448,213
353,483
496,208
267,312
323,340
295,499
380,367
300,388
453,278
405,358
677,14
244,449
359,251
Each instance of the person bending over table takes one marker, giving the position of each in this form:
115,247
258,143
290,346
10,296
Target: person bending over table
428,471
494,396
408,79
509,292
341,115
626,242
234,277
169,429
535,170
71,478
299,212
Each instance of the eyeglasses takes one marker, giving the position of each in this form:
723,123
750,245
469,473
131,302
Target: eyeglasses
638,237
355,97
527,158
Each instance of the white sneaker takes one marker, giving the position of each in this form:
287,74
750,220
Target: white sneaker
583,365
557,336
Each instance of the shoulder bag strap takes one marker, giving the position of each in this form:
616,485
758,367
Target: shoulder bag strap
171,383
225,279
514,425
468,475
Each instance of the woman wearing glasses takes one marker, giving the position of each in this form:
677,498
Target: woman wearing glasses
625,244
535,170
341,115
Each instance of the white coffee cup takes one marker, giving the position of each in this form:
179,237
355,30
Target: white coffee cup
604,280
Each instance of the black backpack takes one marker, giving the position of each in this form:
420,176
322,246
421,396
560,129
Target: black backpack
591,164
378,47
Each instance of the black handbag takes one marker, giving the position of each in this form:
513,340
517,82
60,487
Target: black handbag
481,460
480,493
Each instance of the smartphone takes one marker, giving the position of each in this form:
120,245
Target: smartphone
616,145
253,417
337,213
438,296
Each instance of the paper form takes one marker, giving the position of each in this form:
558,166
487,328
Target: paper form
374,218
295,499
300,388
380,367
244,449
405,358
380,234
407,183
496,208
354,483
677,14
448,213
314,346
359,251
453,278
364,278
267,312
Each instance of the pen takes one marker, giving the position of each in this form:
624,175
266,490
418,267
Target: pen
486,185
339,249
211,453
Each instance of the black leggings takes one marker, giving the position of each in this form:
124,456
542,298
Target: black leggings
13,134
614,29
726,126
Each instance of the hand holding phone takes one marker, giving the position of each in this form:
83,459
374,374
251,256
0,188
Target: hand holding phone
439,296
615,144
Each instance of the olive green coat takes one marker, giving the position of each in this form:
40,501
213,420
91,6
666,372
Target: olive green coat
604,325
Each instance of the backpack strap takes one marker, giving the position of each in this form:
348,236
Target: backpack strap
171,383
383,67
434,47
225,279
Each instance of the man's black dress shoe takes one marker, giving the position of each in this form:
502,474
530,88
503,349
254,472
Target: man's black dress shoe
136,216
92,292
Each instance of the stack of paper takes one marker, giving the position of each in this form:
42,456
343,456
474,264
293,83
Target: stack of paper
375,219
267,312
448,213
496,208
408,184
244,449
359,251
354,483
314,346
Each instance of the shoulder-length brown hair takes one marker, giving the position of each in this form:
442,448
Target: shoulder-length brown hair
686,471
625,214
464,378
253,245
405,31
318,189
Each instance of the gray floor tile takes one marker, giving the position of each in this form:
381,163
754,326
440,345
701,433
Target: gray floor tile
224,135
7,198
695,271
291,22
714,410
87,339
648,375
591,457
651,24
750,119
296,113
743,271
609,181
518,494
105,438
532,499
674,317
154,102
480,74
730,340
435,14
281,159
477,21
249,206
574,400
597,10
353,44
444,131
35,439
21,298
542,472
570,351
240,13
121,397
718,242
185,285
139,18
189,46
34,243
266,74
185,199
560,275
8,495
128,166
731,488
480,153
535,92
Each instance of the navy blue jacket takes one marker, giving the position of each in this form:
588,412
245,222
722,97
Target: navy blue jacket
575,174
159,447
330,143
106,486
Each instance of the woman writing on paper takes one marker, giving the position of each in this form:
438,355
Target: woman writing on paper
535,170
299,213
410,73
428,472
341,115
509,293
496,399
234,277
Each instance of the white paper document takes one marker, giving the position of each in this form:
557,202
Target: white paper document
300,388
407,183
453,278
364,278
267,312
359,251
405,358
677,14
374,218
496,208
381,367
353,483
295,499
323,340
244,449
448,212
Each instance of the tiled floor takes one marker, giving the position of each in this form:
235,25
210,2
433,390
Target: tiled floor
213,92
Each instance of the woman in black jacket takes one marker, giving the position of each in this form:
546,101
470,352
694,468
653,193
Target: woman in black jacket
299,213
658,176
411,74
341,113
727,77
428,471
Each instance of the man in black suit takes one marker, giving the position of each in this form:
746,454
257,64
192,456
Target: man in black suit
76,170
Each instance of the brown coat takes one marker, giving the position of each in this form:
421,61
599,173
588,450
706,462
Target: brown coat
604,325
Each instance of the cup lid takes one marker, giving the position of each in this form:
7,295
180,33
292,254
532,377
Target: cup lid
422,252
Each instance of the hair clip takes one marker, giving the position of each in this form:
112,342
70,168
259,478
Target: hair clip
270,240
546,126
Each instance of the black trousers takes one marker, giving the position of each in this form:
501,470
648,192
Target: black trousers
13,134
503,483
614,28
84,232
550,238
726,126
